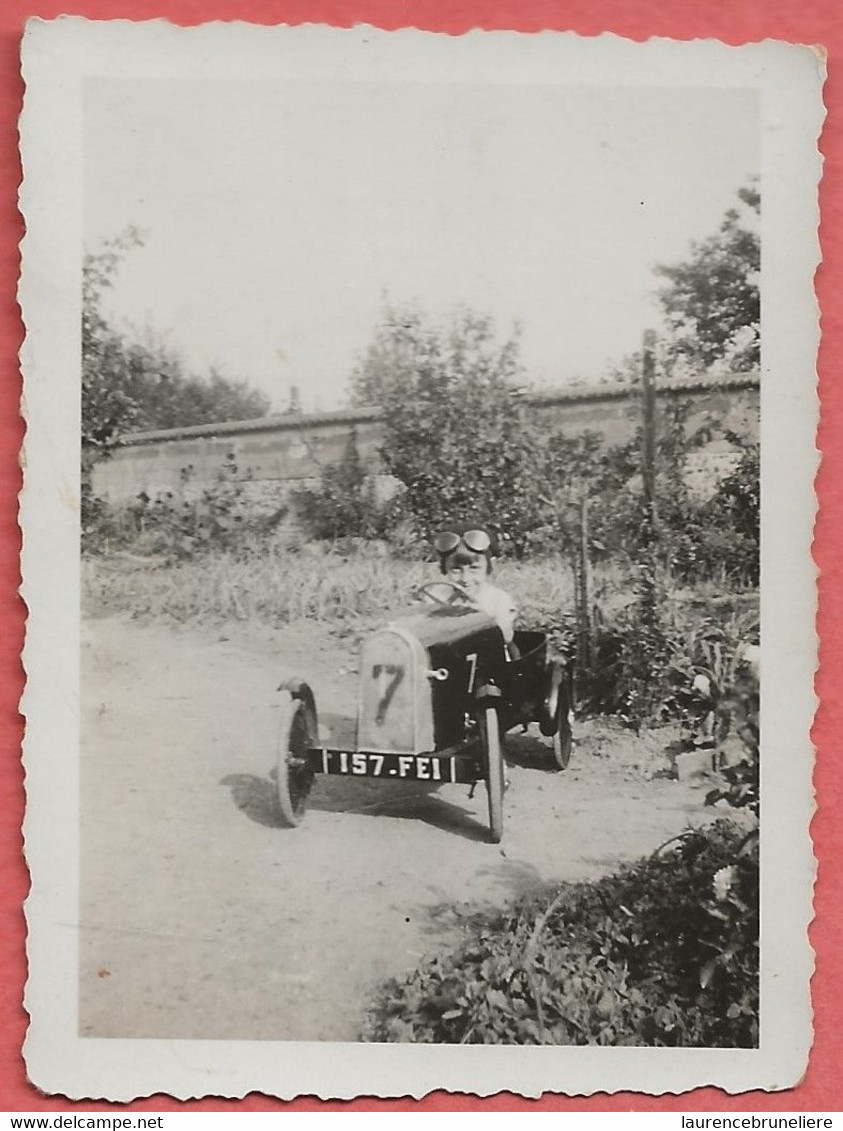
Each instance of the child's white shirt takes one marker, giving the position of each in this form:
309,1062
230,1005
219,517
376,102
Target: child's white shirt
499,605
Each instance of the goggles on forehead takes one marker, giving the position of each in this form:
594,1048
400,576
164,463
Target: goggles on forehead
479,541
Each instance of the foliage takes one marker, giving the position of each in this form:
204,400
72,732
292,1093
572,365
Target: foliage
624,662
643,662
133,384
663,953
218,519
345,503
712,301
169,397
346,586
735,706
98,521
741,784
697,539
569,468
107,407
718,536
454,434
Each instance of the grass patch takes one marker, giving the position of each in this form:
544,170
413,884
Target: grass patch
278,586
286,584
351,588
283,584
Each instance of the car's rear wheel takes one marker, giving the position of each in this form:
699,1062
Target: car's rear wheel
562,736
297,731
493,766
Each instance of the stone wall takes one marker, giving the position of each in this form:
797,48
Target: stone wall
273,454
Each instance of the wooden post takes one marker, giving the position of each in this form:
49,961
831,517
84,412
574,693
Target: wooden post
651,636
648,445
583,595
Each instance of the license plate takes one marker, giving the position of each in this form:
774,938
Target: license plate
397,767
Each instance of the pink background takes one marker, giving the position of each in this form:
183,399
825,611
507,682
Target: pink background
738,21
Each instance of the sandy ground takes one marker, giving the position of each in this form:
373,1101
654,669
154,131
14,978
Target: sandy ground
202,919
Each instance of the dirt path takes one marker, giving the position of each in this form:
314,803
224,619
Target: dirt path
200,918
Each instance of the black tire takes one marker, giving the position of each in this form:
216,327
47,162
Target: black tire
297,732
493,765
562,737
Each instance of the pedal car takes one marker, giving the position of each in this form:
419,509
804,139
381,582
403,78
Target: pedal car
438,687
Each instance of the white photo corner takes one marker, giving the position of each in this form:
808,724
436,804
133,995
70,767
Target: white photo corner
417,517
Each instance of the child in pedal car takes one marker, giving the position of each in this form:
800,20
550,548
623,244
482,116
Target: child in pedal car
465,558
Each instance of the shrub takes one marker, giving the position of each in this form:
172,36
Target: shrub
694,540
93,519
221,518
454,433
345,504
643,661
736,711
663,953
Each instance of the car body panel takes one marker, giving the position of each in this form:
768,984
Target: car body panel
395,702
434,684
420,676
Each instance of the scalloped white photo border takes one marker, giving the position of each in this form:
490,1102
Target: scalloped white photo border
58,56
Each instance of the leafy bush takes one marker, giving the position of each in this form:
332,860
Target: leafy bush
346,503
696,540
736,710
642,667
720,536
636,662
94,513
663,953
221,518
454,432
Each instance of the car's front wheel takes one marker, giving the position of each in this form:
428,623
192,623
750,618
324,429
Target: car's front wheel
297,731
563,739
494,772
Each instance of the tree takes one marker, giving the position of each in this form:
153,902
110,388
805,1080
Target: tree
171,398
712,300
142,384
402,343
107,405
454,432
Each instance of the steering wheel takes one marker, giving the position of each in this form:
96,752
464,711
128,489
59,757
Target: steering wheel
457,591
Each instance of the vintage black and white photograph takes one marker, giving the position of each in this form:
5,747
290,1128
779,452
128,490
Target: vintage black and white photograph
418,422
